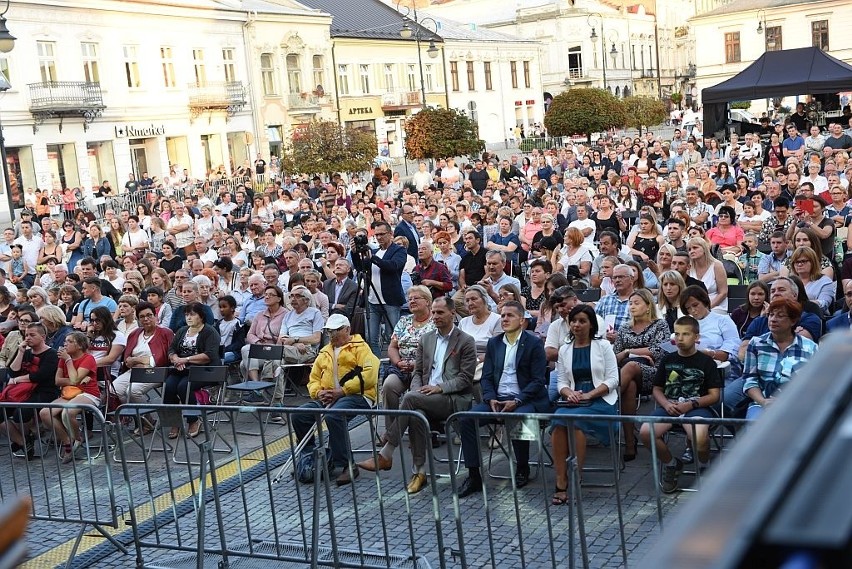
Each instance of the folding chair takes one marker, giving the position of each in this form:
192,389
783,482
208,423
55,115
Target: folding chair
217,375
507,448
264,352
154,375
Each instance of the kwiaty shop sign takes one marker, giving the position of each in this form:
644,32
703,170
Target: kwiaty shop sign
139,131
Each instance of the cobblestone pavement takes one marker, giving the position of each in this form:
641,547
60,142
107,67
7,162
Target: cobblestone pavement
381,521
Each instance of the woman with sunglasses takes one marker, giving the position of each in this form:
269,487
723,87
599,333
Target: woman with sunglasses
18,322
106,343
197,343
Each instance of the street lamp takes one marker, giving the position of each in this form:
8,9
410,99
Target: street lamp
407,31
594,37
7,43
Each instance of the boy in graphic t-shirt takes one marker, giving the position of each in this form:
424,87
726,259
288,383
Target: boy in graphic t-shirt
687,384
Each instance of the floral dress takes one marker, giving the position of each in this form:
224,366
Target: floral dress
652,337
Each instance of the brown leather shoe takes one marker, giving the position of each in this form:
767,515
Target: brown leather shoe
380,463
418,483
344,478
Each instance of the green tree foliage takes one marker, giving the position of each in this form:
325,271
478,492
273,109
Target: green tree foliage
677,98
744,105
644,111
440,133
583,111
325,147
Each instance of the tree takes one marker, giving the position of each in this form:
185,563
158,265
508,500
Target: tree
325,147
644,111
677,98
441,133
583,111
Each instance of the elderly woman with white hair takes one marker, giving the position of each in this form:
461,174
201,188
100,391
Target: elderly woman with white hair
53,319
207,294
37,297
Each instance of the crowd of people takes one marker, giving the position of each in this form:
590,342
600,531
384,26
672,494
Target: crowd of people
471,279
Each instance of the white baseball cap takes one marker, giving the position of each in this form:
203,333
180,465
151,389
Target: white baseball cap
336,322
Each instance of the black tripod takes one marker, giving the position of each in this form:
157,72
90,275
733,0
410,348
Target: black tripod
364,282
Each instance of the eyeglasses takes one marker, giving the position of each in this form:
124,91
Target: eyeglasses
145,316
382,234
271,294
24,321
93,319
801,261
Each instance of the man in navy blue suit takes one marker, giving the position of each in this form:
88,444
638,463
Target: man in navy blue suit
405,228
386,296
513,381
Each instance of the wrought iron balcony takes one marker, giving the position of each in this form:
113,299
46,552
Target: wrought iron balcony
229,96
52,99
397,100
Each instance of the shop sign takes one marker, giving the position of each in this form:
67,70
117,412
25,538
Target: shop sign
361,111
139,131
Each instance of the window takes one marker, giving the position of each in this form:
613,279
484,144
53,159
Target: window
131,67
389,73
412,78
47,60
294,73
4,67
89,52
819,34
773,38
198,66
575,62
527,79
168,67
471,110
486,67
513,71
429,71
732,47
454,74
319,71
343,79
471,79
229,67
365,78
267,74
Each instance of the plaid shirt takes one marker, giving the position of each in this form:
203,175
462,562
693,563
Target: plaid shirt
768,368
772,225
436,271
612,305
241,211
750,264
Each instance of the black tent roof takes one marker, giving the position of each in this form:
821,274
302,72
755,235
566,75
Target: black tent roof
802,71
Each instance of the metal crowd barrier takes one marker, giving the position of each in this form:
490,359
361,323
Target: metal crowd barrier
80,492
184,501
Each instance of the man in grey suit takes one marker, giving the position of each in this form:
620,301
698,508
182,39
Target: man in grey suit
442,384
342,292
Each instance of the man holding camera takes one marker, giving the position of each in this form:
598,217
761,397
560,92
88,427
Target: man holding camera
430,273
385,296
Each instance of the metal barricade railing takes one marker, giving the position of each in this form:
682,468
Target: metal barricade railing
531,525
230,507
78,490
217,508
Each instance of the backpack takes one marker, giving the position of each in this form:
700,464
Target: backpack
305,470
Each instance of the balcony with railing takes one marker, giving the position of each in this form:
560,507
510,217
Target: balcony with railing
305,102
228,96
58,99
400,100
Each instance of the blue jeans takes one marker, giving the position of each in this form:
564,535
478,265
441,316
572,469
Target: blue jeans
338,439
229,358
376,320
734,400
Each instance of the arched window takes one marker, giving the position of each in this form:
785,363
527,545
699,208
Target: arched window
617,91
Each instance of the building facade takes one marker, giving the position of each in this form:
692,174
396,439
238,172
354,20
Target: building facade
105,89
738,33
495,78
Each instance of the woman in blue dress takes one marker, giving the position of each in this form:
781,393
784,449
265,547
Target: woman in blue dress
587,376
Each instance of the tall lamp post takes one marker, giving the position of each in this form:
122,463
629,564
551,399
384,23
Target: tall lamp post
7,43
594,37
407,31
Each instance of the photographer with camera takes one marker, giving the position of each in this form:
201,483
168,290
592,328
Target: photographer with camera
384,282
430,273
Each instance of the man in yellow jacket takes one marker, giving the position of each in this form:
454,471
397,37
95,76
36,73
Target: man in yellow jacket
344,376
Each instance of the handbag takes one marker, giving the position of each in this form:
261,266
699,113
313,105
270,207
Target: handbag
69,392
17,392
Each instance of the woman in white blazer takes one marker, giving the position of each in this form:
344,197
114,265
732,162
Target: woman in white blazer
587,375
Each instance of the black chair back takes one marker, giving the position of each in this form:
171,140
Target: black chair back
266,352
148,374
589,294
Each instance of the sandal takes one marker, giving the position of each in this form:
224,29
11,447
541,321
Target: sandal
194,430
560,500
174,432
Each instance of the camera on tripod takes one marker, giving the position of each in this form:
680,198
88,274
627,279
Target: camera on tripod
361,244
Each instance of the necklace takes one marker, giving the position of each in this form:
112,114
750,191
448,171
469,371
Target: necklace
421,322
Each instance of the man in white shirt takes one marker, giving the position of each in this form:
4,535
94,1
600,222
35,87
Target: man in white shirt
421,179
180,228
31,246
450,175
441,384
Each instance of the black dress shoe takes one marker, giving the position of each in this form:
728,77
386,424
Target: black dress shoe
522,476
470,486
